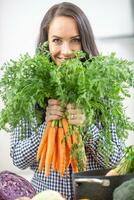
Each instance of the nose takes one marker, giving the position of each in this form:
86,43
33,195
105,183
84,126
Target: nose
66,49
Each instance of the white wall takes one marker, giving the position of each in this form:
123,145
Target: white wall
124,48
20,21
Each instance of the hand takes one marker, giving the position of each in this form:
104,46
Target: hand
53,111
75,115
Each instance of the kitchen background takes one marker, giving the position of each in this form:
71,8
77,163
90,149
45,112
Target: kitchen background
113,25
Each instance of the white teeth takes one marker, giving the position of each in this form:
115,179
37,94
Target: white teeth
63,58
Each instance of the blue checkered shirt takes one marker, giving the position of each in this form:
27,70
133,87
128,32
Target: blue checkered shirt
23,153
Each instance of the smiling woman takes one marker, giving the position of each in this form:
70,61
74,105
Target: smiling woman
67,29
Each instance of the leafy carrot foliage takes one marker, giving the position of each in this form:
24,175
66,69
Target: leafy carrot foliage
98,86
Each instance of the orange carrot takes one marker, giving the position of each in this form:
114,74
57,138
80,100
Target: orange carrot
55,155
50,149
43,141
61,149
68,159
42,159
74,165
66,130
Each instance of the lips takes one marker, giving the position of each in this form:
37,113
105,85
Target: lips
64,58
60,60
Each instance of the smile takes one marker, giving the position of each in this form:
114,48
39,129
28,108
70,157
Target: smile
64,58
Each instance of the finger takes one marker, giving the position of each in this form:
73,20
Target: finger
53,114
56,112
54,109
76,119
74,116
74,112
70,106
52,117
75,122
53,102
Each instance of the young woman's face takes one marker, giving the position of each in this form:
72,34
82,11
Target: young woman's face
63,38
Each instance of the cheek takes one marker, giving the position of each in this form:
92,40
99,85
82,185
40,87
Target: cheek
52,48
78,47
54,51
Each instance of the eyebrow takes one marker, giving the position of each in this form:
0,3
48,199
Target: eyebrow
76,36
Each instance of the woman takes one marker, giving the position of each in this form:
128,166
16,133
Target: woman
66,28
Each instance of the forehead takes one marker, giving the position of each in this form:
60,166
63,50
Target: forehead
62,25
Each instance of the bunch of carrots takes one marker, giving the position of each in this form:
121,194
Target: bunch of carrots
58,148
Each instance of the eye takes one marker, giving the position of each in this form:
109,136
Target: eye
57,41
76,40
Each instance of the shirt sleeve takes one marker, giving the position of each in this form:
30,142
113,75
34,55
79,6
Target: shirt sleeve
23,151
100,156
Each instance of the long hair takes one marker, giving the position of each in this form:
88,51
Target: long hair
84,27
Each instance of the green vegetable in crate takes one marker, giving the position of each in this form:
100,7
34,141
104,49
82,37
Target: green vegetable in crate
126,164
125,191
